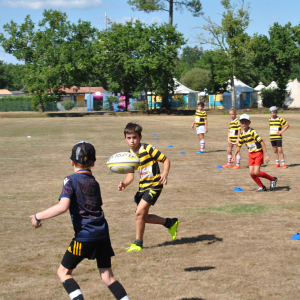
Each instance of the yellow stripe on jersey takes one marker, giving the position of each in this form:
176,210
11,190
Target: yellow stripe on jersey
200,117
149,169
251,139
234,127
275,126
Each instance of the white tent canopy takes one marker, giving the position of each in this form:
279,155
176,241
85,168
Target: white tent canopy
182,89
239,86
259,87
293,100
272,85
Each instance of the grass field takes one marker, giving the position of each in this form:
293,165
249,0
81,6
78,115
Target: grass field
230,245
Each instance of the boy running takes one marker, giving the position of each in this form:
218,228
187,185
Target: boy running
201,125
276,131
257,150
233,139
151,184
81,195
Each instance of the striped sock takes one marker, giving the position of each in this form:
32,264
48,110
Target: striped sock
202,143
229,159
73,289
238,159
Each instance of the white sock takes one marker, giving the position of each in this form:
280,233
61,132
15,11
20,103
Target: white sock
229,159
277,162
282,162
202,143
238,159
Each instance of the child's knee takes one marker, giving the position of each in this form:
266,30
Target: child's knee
139,215
280,150
275,149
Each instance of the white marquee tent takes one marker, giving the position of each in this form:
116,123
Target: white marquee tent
293,100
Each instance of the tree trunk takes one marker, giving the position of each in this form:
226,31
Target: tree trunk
171,13
233,102
42,108
155,101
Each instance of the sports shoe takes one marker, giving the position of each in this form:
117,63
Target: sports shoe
133,247
236,167
276,166
227,166
262,189
173,228
200,152
284,166
273,184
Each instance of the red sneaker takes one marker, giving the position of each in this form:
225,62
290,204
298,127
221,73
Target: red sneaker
227,166
284,166
276,166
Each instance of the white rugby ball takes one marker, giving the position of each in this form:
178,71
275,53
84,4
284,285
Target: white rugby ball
123,162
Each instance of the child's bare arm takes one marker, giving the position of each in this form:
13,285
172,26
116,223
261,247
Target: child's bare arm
123,184
51,212
205,123
237,151
193,125
164,175
283,130
228,137
238,138
265,151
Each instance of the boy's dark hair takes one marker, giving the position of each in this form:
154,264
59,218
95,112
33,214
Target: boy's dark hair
133,128
83,153
200,103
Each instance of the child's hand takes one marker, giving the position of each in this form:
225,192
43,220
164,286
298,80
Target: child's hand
279,133
233,159
121,186
267,159
163,178
192,126
206,130
34,222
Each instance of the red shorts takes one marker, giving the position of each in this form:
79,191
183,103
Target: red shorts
256,158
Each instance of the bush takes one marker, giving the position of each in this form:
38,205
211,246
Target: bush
68,105
140,106
272,97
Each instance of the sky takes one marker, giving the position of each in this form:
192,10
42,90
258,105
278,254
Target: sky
263,14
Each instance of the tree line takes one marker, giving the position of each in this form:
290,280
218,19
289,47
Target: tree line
134,57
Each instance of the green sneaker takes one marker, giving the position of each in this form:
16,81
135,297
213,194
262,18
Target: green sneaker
133,247
173,229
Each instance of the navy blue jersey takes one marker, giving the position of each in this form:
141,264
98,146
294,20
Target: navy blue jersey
85,208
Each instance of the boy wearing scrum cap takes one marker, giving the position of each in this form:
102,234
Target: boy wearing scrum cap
81,195
276,132
257,150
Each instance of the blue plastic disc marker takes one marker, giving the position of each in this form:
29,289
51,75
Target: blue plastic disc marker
219,167
170,146
153,134
156,140
181,153
237,190
296,236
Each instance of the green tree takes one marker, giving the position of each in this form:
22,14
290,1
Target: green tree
276,55
135,57
10,76
56,54
196,79
232,43
194,6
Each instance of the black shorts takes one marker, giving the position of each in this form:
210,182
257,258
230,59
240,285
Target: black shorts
150,196
77,251
277,143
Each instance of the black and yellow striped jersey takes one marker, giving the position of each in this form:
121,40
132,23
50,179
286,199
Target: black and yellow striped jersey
251,139
275,126
200,117
234,127
149,169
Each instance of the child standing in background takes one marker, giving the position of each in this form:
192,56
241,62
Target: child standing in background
276,131
201,126
233,139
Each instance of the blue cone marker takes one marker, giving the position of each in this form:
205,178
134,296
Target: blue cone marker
237,190
181,153
156,140
219,167
170,146
296,236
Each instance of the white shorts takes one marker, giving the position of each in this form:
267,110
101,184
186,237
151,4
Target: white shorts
200,129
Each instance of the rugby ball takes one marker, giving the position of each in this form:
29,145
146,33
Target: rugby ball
123,162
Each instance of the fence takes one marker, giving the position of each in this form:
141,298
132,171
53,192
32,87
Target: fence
24,106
